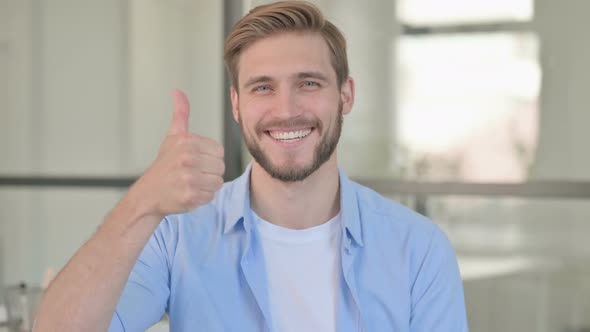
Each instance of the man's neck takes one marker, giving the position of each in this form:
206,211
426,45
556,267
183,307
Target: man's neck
296,205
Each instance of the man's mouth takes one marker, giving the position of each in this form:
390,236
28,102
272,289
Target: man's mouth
289,136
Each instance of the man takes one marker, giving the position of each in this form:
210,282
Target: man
291,245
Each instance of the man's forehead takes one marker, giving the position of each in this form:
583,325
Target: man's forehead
286,55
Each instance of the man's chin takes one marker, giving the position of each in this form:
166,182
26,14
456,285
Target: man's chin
287,172
291,176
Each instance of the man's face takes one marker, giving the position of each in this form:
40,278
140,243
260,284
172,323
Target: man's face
290,106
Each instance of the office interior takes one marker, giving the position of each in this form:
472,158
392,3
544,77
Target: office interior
474,113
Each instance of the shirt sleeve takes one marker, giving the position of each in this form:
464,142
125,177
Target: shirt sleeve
145,297
438,302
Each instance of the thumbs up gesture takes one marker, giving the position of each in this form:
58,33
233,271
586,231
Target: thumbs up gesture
187,172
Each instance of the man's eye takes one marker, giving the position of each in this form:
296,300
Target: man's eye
310,84
262,88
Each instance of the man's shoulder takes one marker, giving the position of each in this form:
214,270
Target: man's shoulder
384,214
371,201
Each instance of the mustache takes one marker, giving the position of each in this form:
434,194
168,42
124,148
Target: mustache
295,122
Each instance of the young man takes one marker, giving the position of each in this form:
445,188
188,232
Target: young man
291,245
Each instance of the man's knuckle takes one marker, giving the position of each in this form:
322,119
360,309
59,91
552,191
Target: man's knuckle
189,198
187,179
185,160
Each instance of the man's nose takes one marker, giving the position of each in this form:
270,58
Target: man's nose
286,105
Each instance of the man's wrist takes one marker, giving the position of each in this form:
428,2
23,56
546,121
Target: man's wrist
137,205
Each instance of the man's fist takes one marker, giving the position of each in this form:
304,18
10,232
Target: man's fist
187,172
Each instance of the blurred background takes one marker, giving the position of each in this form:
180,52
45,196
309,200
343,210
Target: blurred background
473,112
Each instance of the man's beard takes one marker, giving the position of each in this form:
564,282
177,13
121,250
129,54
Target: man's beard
293,173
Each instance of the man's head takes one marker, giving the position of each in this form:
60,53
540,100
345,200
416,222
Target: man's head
290,87
284,16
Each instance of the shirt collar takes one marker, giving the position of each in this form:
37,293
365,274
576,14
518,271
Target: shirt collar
349,206
239,204
238,201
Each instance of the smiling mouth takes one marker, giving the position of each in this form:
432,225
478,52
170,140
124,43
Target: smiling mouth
289,136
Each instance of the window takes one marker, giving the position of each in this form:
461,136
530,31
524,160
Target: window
467,101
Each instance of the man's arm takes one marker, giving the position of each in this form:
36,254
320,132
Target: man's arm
186,174
438,302
85,293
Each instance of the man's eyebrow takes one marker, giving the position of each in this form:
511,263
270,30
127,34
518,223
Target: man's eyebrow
302,75
312,74
257,79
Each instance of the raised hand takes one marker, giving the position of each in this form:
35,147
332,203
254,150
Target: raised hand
187,172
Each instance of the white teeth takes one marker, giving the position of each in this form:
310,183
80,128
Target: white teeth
289,135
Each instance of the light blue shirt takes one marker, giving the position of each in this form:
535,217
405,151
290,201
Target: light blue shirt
206,269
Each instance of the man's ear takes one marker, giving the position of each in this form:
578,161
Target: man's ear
234,103
347,95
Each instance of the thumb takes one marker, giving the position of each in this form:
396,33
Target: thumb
179,123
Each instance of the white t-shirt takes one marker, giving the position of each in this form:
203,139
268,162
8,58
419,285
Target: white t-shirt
303,274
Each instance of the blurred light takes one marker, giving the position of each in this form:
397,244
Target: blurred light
471,99
463,11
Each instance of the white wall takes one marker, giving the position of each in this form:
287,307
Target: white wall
565,97
16,135
86,90
174,44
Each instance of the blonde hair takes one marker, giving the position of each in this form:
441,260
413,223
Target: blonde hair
284,16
